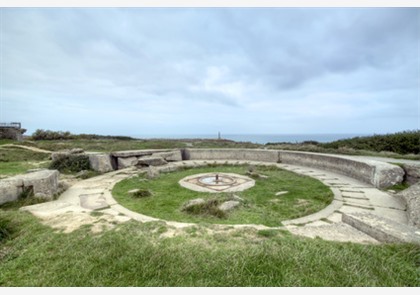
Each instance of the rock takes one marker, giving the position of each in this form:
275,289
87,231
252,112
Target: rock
151,161
192,203
133,191
262,176
127,162
237,198
101,162
412,173
59,155
411,196
281,193
387,175
152,173
229,205
171,156
77,151
82,174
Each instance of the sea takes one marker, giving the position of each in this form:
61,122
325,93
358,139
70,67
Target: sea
258,138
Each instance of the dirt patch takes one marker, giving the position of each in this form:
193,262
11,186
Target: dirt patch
71,221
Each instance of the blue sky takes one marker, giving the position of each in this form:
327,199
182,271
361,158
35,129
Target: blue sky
140,71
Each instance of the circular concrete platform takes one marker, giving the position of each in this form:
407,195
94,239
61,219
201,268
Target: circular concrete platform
217,182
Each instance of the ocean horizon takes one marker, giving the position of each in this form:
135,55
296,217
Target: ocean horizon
257,138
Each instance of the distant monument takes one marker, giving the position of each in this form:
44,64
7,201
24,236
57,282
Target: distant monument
11,131
218,137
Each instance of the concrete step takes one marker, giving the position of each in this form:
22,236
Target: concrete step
381,228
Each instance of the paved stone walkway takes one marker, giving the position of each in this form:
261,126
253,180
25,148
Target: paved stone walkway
75,206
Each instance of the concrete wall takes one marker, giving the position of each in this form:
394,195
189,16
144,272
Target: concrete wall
376,173
232,154
379,174
44,184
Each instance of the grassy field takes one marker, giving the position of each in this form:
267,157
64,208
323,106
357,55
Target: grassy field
15,160
261,206
135,254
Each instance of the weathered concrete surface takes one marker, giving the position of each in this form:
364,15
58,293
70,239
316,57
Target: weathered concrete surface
171,156
382,228
412,199
100,162
10,189
380,174
234,154
150,161
136,153
127,162
43,183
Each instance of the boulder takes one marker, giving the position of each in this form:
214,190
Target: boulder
151,161
229,205
77,151
101,162
411,196
59,155
192,203
127,162
412,173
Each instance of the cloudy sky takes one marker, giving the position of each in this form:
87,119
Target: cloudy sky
141,71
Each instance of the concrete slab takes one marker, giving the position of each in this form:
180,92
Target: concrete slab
333,232
381,199
354,195
93,201
393,214
382,229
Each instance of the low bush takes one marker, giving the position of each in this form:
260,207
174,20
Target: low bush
71,163
209,207
142,193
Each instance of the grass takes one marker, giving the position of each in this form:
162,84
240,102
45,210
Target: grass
134,254
305,196
16,161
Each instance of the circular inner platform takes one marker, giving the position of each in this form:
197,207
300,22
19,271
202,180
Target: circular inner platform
217,182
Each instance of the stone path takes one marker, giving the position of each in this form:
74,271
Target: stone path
31,148
75,206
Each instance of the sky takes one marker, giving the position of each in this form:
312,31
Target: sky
152,71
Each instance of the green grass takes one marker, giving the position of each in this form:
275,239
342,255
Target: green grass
306,195
134,254
16,161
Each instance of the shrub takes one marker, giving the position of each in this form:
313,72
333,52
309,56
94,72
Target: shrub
210,207
5,229
141,193
71,163
406,142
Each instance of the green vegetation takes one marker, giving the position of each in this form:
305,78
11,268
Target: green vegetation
209,208
306,195
71,163
15,160
41,134
141,193
135,254
407,142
